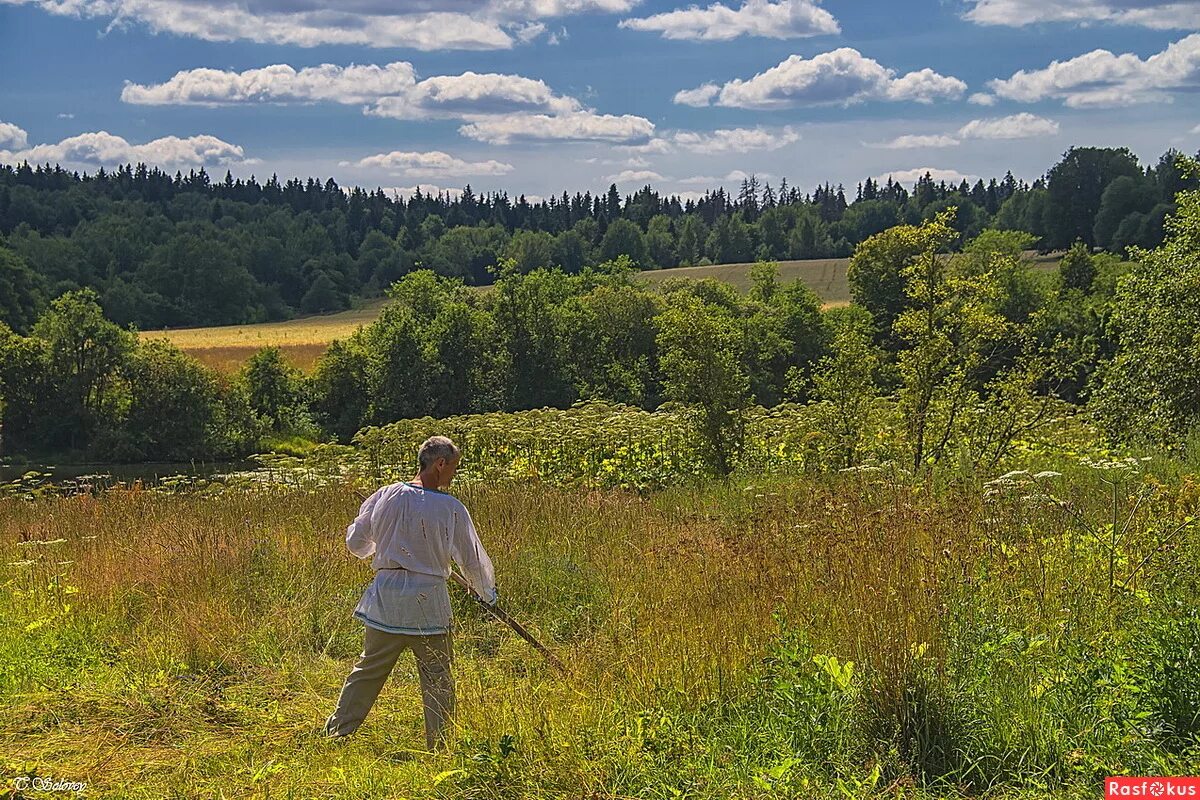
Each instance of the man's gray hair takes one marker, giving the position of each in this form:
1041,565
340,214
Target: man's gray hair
436,447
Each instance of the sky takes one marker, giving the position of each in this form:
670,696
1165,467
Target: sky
537,97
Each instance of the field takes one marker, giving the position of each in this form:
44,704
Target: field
303,340
790,632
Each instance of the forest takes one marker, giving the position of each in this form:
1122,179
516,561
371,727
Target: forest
163,250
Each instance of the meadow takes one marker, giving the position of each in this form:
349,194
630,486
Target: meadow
793,631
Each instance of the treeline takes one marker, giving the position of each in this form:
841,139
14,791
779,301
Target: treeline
959,336
168,251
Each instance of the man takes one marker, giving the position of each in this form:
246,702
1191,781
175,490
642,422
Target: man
412,530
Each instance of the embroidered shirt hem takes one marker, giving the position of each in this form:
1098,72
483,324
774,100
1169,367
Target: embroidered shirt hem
364,619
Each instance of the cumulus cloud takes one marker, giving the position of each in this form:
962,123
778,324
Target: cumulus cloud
1016,126
277,83
734,140
106,150
699,97
473,94
982,99
907,176
914,141
418,24
391,90
573,126
1103,79
786,19
12,136
634,175
839,77
430,164
1157,14
736,175
499,108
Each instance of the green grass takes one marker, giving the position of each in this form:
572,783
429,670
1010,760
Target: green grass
829,635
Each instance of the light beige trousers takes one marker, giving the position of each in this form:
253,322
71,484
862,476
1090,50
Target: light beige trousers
434,654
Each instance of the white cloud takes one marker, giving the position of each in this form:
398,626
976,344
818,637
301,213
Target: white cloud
1169,15
982,99
1195,129
1103,79
736,175
574,126
278,83
1016,126
430,164
839,77
391,90
65,115
702,95
913,141
631,175
473,93
12,136
734,140
908,176
105,149
786,19
498,108
416,24
925,86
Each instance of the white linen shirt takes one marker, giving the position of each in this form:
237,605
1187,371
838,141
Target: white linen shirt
419,530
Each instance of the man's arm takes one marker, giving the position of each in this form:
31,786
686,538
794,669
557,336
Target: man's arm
468,552
360,538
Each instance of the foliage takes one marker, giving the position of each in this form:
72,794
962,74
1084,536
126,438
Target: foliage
1147,390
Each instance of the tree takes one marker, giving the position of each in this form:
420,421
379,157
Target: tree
339,387
876,275
700,359
1075,187
623,238
660,242
531,250
275,390
84,353
844,384
571,251
322,296
1147,391
173,405
1124,196
1077,270
945,329
21,295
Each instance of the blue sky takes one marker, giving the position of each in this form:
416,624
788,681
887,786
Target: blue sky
538,96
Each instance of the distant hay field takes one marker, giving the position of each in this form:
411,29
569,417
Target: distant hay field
302,341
